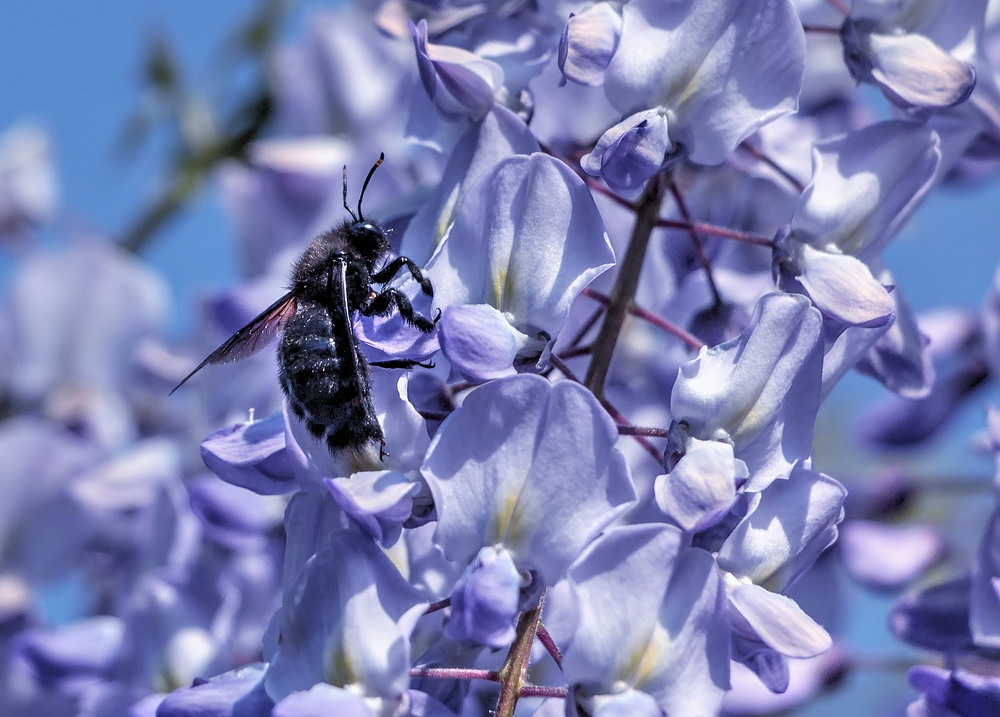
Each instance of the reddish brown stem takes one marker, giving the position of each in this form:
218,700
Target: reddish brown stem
652,318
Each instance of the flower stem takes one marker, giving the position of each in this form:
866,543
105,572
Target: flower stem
514,673
628,279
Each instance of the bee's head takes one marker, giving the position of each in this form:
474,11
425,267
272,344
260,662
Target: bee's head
367,239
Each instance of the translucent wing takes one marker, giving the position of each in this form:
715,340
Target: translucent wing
252,337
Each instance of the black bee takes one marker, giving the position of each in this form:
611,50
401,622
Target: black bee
322,370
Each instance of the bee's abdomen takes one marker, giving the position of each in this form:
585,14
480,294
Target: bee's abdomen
326,379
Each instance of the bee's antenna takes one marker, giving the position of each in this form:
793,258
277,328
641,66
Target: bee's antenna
381,158
345,196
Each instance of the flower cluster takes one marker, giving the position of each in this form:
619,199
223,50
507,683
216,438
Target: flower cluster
655,233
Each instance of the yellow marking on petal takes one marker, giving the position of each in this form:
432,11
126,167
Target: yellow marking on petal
498,287
337,669
508,528
447,215
643,663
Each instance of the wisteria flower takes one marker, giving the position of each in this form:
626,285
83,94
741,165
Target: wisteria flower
693,79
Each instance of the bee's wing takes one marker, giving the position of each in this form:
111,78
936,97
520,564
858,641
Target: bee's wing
252,337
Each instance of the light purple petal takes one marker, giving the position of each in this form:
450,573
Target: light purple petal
251,455
807,679
779,622
478,342
632,151
693,614
459,82
627,703
274,196
786,528
588,41
619,584
935,618
909,69
84,649
232,516
322,699
959,692
844,289
527,242
528,465
348,622
111,300
984,602
475,156
865,184
237,692
901,359
379,501
651,616
701,487
484,601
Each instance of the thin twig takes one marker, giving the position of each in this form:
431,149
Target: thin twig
648,316
455,673
439,605
643,431
757,154
549,644
821,30
699,247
